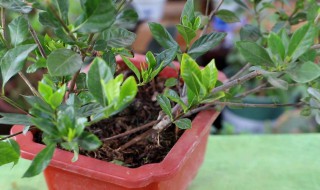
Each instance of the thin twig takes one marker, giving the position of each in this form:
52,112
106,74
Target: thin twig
129,132
25,79
36,39
252,91
15,134
3,22
12,103
235,82
137,139
257,105
242,70
317,46
210,17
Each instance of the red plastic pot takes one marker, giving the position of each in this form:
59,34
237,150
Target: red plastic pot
176,171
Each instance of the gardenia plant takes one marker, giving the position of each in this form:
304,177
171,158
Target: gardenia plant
67,100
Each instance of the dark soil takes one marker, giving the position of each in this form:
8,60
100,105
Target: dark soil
143,110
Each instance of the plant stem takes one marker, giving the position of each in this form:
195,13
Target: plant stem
3,22
256,105
240,71
25,79
129,132
36,39
210,17
12,103
235,82
316,46
15,134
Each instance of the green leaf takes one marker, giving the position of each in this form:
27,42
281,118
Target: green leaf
183,123
127,18
187,33
301,41
171,82
132,67
151,60
167,56
254,53
210,75
57,97
241,4
310,55
99,16
314,92
13,61
227,16
205,43
63,62
110,60
45,91
89,141
18,30
16,5
173,96
48,19
41,161
278,83
276,46
99,70
118,37
10,152
305,72
250,33
15,119
213,97
190,72
62,7
188,10
128,92
112,89
162,36
164,103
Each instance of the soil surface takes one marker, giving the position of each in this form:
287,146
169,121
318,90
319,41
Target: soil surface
143,110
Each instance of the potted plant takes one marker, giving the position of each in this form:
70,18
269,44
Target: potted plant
120,102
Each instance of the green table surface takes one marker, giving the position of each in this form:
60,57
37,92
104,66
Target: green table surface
265,162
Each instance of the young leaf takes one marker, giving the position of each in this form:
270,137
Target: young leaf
103,10
16,5
187,33
151,60
162,36
89,141
305,72
112,89
132,67
57,97
254,53
99,70
10,152
209,75
128,92
63,62
301,41
173,96
18,30
164,103
41,161
276,46
227,16
250,33
183,123
12,62
188,10
205,43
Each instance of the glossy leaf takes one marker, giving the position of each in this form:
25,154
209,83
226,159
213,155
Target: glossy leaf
183,123
128,92
112,89
9,152
205,43
13,61
132,67
16,5
305,72
164,103
209,75
15,119
18,30
188,10
170,82
276,46
110,60
99,70
47,19
62,6
103,10
167,56
151,60
117,37
162,36
63,62
227,16
89,141
301,41
173,96
41,161
250,33
187,33
127,18
254,53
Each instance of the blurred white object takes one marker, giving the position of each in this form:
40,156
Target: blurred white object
149,10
